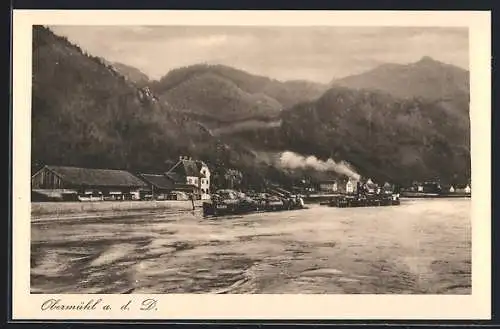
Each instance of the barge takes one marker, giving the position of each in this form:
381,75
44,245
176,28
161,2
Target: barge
362,200
367,195
230,202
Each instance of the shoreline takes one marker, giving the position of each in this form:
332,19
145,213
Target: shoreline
434,196
46,211
43,210
319,198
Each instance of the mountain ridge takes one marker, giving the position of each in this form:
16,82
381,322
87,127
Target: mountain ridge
426,78
132,73
219,95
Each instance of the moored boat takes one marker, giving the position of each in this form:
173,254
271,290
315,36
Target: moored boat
227,202
363,200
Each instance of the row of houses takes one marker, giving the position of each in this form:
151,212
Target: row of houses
436,187
351,185
186,177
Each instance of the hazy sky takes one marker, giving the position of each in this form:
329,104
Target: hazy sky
285,53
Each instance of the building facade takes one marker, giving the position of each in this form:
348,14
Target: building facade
351,186
204,180
328,186
85,184
192,173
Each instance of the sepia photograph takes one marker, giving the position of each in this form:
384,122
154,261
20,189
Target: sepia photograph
250,159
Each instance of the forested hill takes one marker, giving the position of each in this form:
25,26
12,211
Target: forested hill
85,113
219,95
383,137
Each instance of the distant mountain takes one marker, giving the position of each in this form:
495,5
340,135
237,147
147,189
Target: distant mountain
220,95
426,78
214,97
132,74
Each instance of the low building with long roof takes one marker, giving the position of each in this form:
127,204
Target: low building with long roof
64,182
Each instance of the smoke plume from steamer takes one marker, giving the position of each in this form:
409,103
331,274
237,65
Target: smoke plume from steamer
291,160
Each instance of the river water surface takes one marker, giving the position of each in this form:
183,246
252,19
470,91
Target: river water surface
420,247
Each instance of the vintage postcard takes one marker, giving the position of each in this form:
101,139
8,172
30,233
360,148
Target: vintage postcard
251,165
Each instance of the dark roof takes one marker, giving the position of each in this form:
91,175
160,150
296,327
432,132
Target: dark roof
199,165
159,181
96,177
186,167
177,178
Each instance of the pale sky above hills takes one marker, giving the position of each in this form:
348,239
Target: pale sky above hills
285,53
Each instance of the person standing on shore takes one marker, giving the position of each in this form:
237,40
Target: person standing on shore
191,196
301,201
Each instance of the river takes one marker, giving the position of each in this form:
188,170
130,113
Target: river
419,247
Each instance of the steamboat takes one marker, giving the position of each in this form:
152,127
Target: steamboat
367,195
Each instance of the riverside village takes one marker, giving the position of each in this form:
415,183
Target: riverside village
189,179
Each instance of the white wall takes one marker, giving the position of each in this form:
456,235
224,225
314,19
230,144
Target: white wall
205,183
